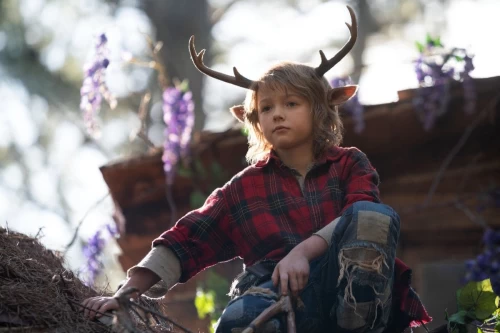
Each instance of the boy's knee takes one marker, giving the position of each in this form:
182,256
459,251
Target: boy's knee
365,261
375,222
243,310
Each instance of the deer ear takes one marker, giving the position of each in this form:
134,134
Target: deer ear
238,112
337,96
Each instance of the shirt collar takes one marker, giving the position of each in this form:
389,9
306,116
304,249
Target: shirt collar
273,156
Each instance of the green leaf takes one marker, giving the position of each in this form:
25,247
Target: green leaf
244,130
479,330
420,47
458,318
212,325
199,168
477,298
457,328
183,86
428,39
204,303
497,327
196,199
437,42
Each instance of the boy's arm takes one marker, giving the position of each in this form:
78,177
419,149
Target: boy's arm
203,237
360,180
164,264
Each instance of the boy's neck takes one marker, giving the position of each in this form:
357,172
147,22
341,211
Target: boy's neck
299,158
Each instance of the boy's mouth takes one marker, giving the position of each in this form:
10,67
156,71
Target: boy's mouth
278,128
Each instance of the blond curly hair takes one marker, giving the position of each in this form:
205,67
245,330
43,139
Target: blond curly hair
302,79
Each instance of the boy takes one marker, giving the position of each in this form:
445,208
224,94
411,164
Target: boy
305,216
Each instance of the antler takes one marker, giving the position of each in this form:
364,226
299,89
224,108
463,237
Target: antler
326,64
237,79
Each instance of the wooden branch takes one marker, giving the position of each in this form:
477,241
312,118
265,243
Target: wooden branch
75,234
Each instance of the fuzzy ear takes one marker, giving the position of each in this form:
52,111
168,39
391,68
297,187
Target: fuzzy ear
238,112
337,96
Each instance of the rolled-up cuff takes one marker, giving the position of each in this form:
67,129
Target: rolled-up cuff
327,231
164,263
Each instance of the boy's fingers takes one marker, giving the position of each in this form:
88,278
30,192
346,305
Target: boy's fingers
284,284
84,303
88,306
109,305
303,281
275,275
294,285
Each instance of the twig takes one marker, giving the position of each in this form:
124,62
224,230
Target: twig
159,315
145,321
40,230
75,234
473,217
143,113
86,307
423,325
467,173
455,150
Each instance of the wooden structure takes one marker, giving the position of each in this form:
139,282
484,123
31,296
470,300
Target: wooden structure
436,201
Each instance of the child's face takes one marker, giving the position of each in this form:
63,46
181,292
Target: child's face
285,118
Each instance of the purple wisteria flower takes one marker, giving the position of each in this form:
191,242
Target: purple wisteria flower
93,251
435,69
487,264
352,106
94,87
178,114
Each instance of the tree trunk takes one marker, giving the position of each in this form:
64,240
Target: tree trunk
366,25
175,21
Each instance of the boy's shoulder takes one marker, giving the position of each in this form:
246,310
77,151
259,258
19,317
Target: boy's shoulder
339,154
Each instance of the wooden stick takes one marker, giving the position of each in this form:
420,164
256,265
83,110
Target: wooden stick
283,305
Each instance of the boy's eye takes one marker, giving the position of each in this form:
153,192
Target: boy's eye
265,108
292,104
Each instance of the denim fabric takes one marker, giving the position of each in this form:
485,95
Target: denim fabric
349,287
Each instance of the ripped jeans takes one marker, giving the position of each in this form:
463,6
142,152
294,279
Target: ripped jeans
349,287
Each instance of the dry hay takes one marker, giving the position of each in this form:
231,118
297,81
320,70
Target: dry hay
38,294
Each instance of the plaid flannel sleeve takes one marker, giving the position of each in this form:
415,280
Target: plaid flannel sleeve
202,237
361,180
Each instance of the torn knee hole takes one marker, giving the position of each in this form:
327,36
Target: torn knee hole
358,265
367,259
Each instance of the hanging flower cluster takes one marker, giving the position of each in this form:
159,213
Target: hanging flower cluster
352,106
487,264
94,87
93,250
436,67
178,114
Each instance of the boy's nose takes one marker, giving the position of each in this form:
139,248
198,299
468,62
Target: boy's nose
278,114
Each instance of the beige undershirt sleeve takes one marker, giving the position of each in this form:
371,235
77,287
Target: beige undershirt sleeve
162,261
327,231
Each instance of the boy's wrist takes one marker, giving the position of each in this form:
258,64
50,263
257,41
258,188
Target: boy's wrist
131,291
312,247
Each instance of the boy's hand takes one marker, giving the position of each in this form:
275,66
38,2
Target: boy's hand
98,303
293,271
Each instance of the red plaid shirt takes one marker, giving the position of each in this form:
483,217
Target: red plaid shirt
262,213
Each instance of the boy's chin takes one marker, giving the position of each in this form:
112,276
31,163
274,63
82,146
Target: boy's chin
285,145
